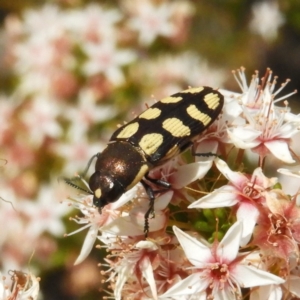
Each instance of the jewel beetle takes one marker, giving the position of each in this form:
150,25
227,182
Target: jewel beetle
158,134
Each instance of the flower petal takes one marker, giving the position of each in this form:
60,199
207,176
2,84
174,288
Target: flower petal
123,274
248,214
260,179
137,217
222,197
189,173
123,226
88,244
224,294
162,201
232,107
196,252
249,276
146,245
188,286
270,292
293,285
291,173
147,272
129,195
235,178
288,130
243,137
280,150
229,246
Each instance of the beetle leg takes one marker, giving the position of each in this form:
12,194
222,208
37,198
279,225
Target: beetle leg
206,154
150,211
159,182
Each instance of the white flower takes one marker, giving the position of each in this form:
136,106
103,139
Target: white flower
217,271
107,59
267,19
41,119
7,108
242,191
174,70
46,21
87,113
22,287
108,225
151,20
267,128
92,23
44,214
138,264
92,220
77,152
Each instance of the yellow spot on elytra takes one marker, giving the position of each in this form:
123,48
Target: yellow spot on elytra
171,99
150,113
194,90
142,172
149,143
212,100
196,114
98,193
176,127
128,131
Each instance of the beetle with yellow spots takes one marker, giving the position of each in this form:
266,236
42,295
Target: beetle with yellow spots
158,134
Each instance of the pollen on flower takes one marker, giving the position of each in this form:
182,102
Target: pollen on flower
251,191
220,273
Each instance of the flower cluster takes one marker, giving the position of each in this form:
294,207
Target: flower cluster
70,71
21,286
65,73
240,237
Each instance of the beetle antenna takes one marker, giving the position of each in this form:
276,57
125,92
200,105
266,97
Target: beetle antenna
89,164
72,184
69,182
